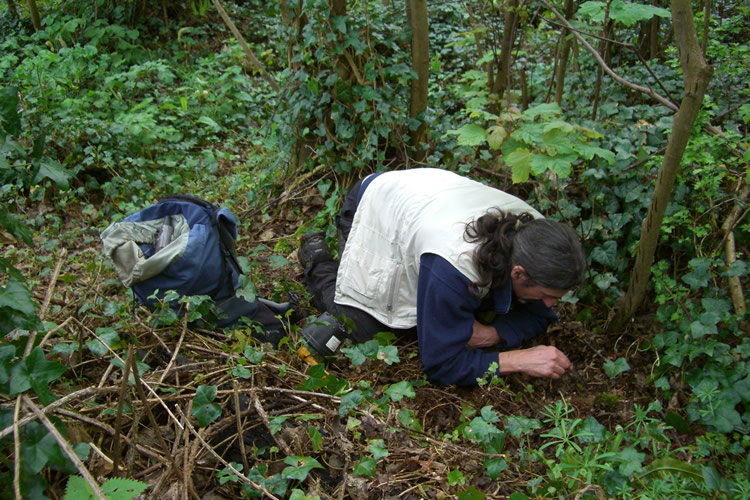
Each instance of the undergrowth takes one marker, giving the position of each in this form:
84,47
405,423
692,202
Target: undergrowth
104,115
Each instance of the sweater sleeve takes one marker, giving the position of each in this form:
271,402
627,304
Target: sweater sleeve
445,321
523,322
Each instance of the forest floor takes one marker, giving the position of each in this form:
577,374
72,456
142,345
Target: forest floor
158,443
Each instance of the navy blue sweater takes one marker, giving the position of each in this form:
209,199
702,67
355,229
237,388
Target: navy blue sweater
446,311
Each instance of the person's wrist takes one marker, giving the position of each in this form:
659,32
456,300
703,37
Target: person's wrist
506,363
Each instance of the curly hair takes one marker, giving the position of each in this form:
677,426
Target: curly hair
549,251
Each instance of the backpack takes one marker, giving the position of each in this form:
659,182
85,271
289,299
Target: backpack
186,244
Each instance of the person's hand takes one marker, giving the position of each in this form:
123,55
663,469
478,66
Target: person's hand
539,361
483,336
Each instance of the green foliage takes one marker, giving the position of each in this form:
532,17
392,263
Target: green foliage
626,13
204,408
115,489
533,142
346,93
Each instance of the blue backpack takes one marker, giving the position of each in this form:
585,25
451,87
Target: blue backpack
186,244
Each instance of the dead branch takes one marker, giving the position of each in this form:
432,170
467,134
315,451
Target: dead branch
66,448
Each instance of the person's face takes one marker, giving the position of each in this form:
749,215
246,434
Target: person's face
525,291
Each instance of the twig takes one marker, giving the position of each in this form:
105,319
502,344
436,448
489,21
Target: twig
153,393
154,425
120,404
109,430
56,404
45,304
17,451
648,91
240,431
52,283
176,350
234,471
595,350
55,329
66,448
264,417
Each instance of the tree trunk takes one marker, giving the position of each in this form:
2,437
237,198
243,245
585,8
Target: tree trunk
34,12
420,63
13,10
696,77
500,84
604,53
562,60
706,25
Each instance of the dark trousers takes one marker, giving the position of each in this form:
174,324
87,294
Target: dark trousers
320,280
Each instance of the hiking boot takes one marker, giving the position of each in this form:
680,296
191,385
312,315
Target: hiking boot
313,249
325,334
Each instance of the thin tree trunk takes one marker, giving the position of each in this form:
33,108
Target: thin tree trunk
696,77
34,12
562,60
249,53
706,25
13,9
500,84
603,52
420,63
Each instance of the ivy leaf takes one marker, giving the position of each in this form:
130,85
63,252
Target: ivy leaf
406,418
278,261
51,169
365,467
614,368
38,446
242,372
246,289
495,466
35,372
299,467
354,354
699,276
389,354
16,296
7,353
378,449
109,337
605,254
519,425
204,409
350,401
471,493
400,390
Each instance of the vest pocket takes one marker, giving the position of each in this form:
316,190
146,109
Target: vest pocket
366,275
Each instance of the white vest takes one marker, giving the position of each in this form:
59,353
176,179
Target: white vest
401,216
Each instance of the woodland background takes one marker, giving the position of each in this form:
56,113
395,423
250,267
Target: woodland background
628,121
